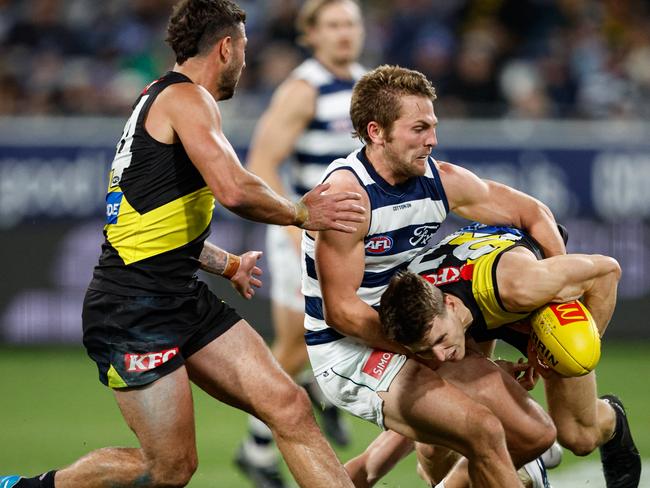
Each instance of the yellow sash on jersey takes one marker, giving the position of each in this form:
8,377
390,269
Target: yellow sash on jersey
139,236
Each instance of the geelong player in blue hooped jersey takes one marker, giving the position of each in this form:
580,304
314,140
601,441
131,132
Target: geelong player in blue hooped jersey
305,128
408,195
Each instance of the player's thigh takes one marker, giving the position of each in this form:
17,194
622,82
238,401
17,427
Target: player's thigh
239,369
161,415
524,420
423,406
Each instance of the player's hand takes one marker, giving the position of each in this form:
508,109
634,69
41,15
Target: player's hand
330,211
245,279
522,371
540,366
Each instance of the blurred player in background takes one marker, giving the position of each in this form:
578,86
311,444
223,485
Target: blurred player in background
149,324
308,125
487,278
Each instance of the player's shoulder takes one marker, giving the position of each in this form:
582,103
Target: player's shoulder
312,72
183,99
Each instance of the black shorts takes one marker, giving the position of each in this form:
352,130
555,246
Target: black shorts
137,339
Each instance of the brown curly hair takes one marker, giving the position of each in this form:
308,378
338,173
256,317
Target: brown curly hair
376,97
195,25
408,306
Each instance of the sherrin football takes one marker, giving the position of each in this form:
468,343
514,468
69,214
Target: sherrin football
566,338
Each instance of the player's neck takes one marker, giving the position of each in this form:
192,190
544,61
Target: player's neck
198,71
342,71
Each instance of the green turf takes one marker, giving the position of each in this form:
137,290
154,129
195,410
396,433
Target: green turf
53,410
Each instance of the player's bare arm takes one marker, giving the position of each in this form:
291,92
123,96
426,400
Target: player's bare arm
490,202
291,109
526,284
196,120
340,268
276,133
242,270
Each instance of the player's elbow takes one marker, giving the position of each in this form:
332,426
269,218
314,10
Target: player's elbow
612,266
336,317
232,197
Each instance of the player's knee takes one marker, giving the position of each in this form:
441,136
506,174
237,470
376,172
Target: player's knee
290,407
485,433
581,441
174,473
532,441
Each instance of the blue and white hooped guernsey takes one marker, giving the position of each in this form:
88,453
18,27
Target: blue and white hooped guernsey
329,134
403,219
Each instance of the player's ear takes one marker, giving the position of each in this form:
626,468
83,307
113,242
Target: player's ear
375,132
224,48
449,302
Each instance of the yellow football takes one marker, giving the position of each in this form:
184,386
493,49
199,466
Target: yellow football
566,338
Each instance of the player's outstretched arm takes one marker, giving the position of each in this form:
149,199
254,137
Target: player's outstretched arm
242,270
195,118
493,203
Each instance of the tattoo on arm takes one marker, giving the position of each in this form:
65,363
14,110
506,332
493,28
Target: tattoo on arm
213,259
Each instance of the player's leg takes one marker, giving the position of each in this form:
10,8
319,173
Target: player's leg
529,429
585,422
239,369
423,406
289,338
165,430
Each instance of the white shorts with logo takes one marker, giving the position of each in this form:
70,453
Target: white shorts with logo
284,265
351,375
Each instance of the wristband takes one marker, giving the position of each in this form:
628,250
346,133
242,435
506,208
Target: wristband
232,265
302,213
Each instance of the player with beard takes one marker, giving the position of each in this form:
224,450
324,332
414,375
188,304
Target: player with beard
149,324
408,195
306,126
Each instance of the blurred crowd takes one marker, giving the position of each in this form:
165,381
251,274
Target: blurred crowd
586,59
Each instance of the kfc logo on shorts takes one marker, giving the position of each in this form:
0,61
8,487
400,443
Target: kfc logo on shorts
137,363
379,245
377,363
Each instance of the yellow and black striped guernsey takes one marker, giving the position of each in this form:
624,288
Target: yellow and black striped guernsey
158,211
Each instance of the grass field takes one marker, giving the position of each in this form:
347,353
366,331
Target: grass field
53,410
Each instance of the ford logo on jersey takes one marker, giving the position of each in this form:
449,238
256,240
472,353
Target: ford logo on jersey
113,202
379,245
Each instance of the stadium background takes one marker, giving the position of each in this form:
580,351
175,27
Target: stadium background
549,96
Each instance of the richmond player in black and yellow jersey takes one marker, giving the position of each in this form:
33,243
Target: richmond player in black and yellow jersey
149,324
471,287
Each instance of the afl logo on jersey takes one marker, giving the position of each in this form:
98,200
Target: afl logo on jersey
379,245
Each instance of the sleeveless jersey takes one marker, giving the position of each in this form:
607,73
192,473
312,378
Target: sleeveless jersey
464,264
329,134
158,211
403,219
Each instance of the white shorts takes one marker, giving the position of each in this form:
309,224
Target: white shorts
284,266
351,375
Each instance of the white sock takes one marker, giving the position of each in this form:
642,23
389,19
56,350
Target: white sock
259,428
440,485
